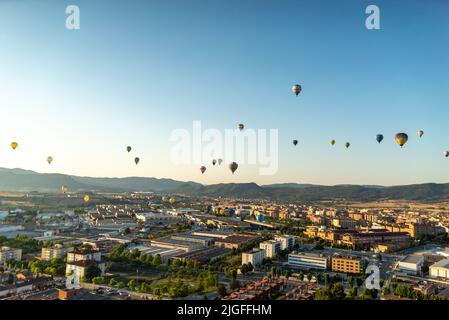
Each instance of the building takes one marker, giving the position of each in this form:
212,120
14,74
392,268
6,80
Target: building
346,264
411,264
78,263
344,223
305,260
271,247
287,242
57,251
255,257
368,240
440,269
7,254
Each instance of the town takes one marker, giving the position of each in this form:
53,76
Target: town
149,246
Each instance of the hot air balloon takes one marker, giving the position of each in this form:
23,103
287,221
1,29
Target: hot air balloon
214,162
128,148
86,198
401,139
14,145
347,144
231,212
49,159
446,153
332,142
260,217
64,189
241,126
220,161
295,142
164,198
203,169
171,200
379,138
233,166
136,160
296,89
420,133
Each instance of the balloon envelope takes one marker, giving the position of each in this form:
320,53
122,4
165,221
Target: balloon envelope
231,212
214,162
295,142
401,139
128,148
171,200
220,161
347,144
233,166
203,169
50,159
136,160
86,198
332,142
64,189
296,89
14,145
420,133
379,138
260,217
446,154
241,126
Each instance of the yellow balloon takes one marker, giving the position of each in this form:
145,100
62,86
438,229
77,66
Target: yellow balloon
14,145
401,139
332,142
86,198
50,160
172,200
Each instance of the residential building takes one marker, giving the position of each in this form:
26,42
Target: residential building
7,254
287,242
271,247
346,264
255,257
56,251
440,269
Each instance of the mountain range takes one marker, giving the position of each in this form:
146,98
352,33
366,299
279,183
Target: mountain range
19,180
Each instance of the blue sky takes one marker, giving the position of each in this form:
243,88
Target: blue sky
137,70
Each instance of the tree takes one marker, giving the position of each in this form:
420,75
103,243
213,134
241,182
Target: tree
338,291
327,279
309,277
92,272
157,260
98,280
221,290
112,282
301,276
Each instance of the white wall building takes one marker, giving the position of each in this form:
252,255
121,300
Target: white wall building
440,269
308,260
411,264
7,254
271,247
287,242
254,257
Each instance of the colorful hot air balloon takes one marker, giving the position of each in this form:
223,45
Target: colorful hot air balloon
86,198
296,89
401,139
214,162
295,142
14,145
233,166
171,200
128,148
136,160
260,217
332,142
231,212
220,161
420,133
347,144
49,159
379,138
241,126
203,169
64,189
446,153
164,198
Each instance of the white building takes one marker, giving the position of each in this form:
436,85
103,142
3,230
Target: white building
271,247
78,262
440,269
308,260
57,251
7,254
411,264
254,257
287,242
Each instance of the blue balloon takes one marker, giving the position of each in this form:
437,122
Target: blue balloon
231,212
260,218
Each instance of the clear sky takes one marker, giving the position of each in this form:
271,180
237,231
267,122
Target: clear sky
137,70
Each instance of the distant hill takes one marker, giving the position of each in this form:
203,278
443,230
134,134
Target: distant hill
25,180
